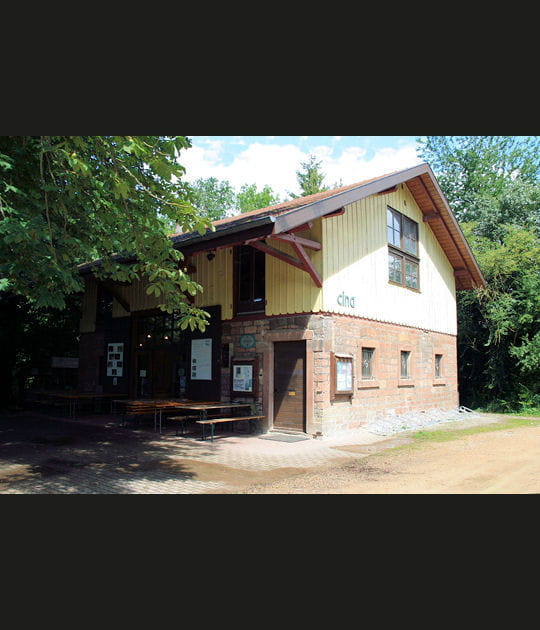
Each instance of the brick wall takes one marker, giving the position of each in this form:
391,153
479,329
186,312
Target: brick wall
386,393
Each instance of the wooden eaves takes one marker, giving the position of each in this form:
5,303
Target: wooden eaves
281,222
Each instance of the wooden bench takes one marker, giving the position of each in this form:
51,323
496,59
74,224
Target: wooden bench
182,421
133,411
213,421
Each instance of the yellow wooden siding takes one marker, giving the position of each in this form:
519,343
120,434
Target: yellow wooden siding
216,278
355,263
88,315
289,289
137,298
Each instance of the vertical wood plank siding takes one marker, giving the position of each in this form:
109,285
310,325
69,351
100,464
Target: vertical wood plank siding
88,315
355,264
291,290
216,278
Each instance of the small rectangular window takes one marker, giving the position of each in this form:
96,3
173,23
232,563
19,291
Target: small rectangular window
405,363
367,362
438,365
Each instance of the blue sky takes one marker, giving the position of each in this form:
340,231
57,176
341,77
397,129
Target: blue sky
274,160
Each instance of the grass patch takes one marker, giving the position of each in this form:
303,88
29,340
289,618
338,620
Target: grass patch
445,435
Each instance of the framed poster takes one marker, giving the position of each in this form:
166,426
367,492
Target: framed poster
115,359
342,375
201,359
244,377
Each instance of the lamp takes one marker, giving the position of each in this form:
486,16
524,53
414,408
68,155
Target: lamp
211,255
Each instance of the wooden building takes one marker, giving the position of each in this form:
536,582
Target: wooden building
326,310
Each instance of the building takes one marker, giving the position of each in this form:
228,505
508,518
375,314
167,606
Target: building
326,310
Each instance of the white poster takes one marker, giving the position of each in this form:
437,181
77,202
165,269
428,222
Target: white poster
115,359
344,376
243,378
201,359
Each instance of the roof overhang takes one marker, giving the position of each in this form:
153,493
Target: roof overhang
282,219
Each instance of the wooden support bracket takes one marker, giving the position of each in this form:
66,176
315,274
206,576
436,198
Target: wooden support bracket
303,262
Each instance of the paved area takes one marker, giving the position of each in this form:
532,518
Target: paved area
43,454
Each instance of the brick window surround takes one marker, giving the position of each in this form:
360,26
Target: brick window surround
441,380
369,383
268,369
410,380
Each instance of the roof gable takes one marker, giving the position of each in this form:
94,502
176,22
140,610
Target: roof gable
289,215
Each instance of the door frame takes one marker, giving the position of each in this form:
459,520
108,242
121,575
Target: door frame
272,337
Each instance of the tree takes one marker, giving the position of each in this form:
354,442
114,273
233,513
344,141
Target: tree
492,184
213,198
67,200
249,198
499,326
310,178
468,167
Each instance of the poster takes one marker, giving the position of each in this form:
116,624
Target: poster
343,375
115,359
201,359
243,378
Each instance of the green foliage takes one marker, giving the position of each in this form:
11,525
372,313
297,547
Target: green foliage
217,199
213,198
492,183
67,200
469,168
504,317
310,178
249,198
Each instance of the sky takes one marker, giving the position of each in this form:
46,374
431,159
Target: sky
274,160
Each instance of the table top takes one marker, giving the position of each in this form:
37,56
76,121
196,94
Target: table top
201,406
77,395
194,404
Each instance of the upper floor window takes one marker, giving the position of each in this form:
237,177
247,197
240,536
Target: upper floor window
249,280
403,262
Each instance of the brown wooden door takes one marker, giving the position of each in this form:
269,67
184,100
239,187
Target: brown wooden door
290,385
162,373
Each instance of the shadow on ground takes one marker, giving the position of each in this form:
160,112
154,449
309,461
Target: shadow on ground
41,454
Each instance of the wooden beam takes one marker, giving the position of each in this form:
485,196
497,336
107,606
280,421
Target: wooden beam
388,190
431,216
308,265
113,290
292,238
304,263
336,213
290,260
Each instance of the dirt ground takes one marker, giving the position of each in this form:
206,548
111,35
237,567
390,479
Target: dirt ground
499,462
44,455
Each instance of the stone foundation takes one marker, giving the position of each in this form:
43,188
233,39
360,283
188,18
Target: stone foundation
385,394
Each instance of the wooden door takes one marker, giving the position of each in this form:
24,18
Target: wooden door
290,385
162,373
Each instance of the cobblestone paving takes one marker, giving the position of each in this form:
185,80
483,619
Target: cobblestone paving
40,454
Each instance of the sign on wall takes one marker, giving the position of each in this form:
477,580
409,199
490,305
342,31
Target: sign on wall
201,359
115,359
244,377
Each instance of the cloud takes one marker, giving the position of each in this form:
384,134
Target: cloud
261,164
275,165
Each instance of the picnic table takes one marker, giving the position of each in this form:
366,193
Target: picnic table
138,407
73,399
204,407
